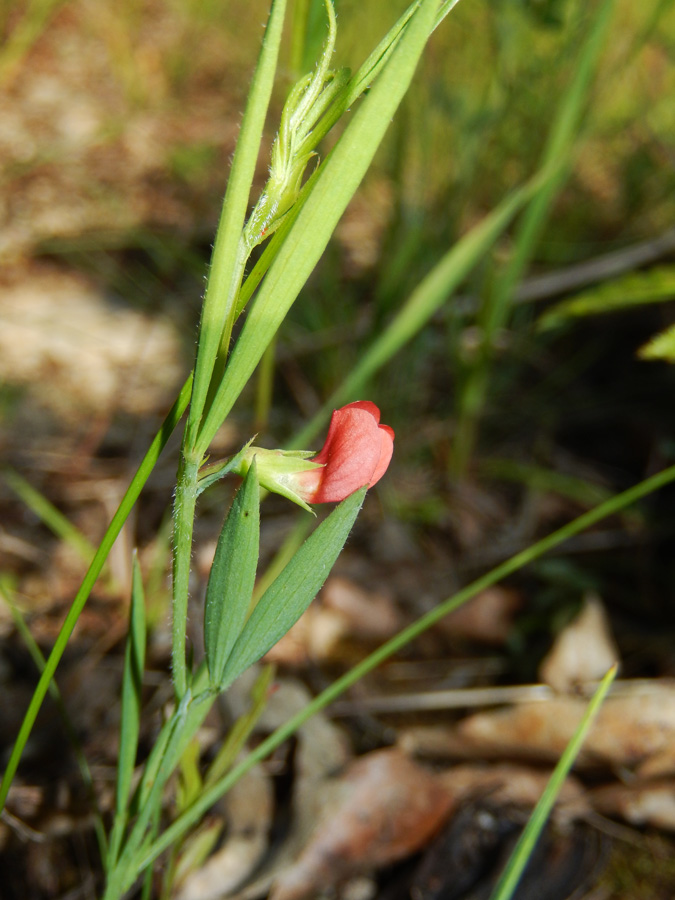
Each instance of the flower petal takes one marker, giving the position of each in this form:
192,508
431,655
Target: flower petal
386,452
368,405
351,455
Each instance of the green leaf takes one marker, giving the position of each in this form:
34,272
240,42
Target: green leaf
132,684
290,594
173,740
336,181
190,784
661,346
232,578
636,289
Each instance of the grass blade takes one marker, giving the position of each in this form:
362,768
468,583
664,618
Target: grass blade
57,523
71,732
224,275
109,538
523,849
183,726
556,157
132,685
430,295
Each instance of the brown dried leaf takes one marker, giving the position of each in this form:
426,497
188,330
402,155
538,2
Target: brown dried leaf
388,807
629,729
292,649
635,728
583,651
508,785
640,804
343,611
368,615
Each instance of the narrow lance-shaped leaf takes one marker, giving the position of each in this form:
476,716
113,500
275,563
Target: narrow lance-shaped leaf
290,594
656,285
134,663
232,578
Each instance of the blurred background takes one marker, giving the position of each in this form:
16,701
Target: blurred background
536,391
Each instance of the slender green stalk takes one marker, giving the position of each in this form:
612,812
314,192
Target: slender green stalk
526,843
228,257
412,632
71,733
298,36
50,515
109,538
184,515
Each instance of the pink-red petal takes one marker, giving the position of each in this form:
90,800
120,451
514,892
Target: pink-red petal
356,453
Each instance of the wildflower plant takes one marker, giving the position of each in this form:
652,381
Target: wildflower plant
295,219
294,216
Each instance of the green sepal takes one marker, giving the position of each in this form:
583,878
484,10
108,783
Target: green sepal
277,470
208,475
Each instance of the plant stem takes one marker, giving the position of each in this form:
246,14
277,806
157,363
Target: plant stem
183,518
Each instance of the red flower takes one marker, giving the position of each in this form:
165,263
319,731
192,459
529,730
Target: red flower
356,453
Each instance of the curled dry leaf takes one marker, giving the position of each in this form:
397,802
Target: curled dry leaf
584,651
634,729
630,728
389,808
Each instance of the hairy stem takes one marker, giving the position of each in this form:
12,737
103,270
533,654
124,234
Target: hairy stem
183,519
